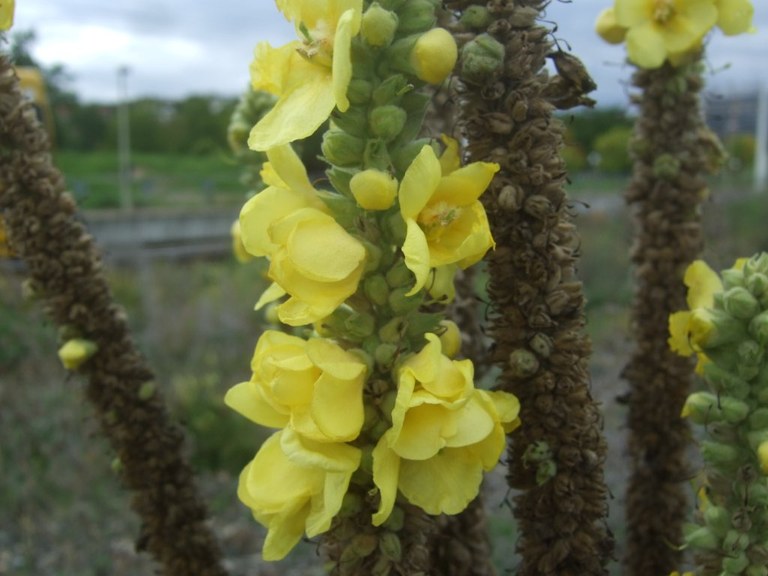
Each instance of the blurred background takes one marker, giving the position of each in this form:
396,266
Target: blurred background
137,101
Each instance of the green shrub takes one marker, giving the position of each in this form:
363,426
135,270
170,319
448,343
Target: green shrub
613,148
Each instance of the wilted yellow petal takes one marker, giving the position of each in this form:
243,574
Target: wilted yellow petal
703,283
386,471
416,253
678,333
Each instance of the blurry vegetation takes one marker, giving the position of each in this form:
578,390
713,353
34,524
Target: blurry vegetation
741,151
612,148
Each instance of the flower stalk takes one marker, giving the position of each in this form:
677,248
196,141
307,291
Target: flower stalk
66,272
537,319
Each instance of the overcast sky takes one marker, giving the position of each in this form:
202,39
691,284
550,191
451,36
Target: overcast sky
174,48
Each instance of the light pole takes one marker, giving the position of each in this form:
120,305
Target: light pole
761,137
124,140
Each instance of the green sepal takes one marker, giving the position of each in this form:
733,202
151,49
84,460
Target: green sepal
376,155
391,90
340,178
353,121
421,323
417,16
415,105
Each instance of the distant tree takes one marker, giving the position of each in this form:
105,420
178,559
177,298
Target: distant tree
585,127
613,148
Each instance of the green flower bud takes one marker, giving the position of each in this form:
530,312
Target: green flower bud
359,325
417,16
372,256
666,167
545,471
394,229
390,90
387,121
353,121
758,264
343,209
758,420
434,55
396,520
757,284
757,495
725,382
147,390
75,352
402,304
376,155
720,455
751,355
374,189
710,328
740,303
420,323
735,564
390,546
271,315
366,459
359,91
523,363
756,570
376,289
732,278
717,519
700,537
385,354
371,416
700,407
735,541
758,328
476,17
399,275
342,149
351,505
378,26
482,58
393,330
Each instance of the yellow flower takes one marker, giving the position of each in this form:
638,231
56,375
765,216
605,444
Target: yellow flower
309,77
734,16
444,434
688,329
6,13
316,262
608,29
295,485
657,29
314,387
446,223
312,258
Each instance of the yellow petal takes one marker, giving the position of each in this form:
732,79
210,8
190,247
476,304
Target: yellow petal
334,360
424,365
442,286
451,380
703,283
285,531
489,449
386,470
270,66
6,14
416,253
373,189
678,333
300,110
630,13
465,185
348,26
322,250
419,183
261,211
326,505
337,407
464,241
645,46
507,405
450,159
248,399
443,484
272,293
291,171
327,456
422,433
608,28
473,424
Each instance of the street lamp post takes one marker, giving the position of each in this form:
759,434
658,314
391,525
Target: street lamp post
124,140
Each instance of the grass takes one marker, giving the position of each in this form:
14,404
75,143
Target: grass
63,510
157,179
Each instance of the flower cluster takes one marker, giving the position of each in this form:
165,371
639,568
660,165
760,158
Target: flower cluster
727,327
370,406
656,31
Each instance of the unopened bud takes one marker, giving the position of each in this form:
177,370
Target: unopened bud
732,278
417,16
735,541
342,149
710,328
399,275
757,284
700,537
758,328
720,455
482,58
359,325
750,353
756,570
359,91
75,352
387,121
396,520
393,330
374,189
404,156
385,354
762,457
758,420
734,565
475,17
378,25
740,303
390,546
718,519
442,287
401,303
434,55
376,289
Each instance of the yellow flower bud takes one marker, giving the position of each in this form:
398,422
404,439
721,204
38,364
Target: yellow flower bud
762,457
450,339
608,29
238,248
374,189
434,55
75,352
6,14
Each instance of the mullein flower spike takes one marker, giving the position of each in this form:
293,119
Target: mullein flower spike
733,414
372,410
